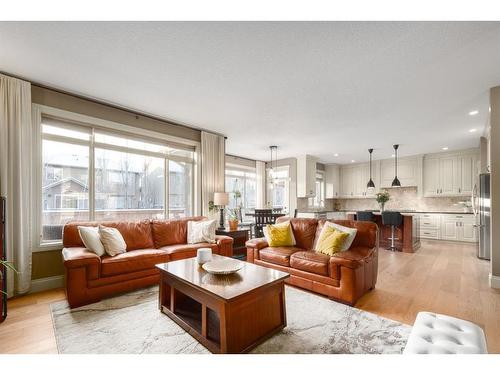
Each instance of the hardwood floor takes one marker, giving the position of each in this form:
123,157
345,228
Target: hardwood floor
442,277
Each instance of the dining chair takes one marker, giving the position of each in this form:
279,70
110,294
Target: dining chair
262,218
244,224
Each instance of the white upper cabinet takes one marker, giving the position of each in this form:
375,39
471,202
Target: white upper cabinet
306,176
408,170
332,181
354,178
449,174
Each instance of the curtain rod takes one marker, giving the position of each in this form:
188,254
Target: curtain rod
109,104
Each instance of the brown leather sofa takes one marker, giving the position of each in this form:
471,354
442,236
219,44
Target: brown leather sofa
344,277
90,277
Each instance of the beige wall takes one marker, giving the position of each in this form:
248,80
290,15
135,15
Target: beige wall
47,264
495,184
82,106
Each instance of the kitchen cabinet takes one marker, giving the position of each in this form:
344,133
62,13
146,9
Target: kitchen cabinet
336,215
458,228
332,181
408,170
449,174
353,180
451,227
306,176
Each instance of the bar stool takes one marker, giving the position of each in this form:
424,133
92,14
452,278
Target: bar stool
365,216
394,219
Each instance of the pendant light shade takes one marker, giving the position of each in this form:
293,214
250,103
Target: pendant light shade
370,185
274,165
396,182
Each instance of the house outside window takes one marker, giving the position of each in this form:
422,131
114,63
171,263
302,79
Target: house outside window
93,174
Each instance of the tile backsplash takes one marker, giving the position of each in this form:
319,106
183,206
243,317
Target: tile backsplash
405,199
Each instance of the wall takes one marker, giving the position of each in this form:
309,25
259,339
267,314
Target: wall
495,185
405,198
244,162
75,104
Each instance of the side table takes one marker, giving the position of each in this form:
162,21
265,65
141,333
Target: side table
240,237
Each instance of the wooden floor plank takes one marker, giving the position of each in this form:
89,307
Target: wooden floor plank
443,277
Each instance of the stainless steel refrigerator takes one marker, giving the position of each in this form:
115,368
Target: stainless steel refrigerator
481,205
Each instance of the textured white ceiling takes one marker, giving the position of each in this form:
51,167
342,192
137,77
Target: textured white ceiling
309,87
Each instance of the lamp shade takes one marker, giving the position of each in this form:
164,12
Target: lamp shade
221,199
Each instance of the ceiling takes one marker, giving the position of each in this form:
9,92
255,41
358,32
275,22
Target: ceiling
316,88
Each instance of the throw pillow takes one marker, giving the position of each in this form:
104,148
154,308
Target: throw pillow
279,234
331,241
92,240
112,240
351,231
201,231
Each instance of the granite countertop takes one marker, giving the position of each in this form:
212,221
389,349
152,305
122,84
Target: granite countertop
416,212
320,211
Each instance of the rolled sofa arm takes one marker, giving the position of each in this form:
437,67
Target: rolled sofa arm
75,257
256,243
225,244
354,257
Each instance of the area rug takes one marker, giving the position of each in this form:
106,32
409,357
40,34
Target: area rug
132,323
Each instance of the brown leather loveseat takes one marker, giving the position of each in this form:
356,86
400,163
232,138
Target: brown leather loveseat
345,277
90,277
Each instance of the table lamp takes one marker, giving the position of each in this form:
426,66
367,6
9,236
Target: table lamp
221,200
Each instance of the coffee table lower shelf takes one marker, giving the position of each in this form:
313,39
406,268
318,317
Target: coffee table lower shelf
224,326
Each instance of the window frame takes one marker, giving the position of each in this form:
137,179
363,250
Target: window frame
95,124
230,170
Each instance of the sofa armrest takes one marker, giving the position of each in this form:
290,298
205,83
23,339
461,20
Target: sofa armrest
354,257
225,244
75,257
257,243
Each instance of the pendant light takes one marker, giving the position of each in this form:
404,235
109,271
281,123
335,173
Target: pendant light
396,182
274,166
370,185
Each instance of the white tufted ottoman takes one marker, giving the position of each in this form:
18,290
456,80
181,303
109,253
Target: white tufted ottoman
442,334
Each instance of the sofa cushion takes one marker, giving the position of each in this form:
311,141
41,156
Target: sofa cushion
183,251
137,234
310,261
170,232
304,231
132,261
278,255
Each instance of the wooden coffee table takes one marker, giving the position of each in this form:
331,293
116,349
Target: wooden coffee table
226,313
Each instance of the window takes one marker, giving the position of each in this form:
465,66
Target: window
319,199
280,188
242,188
91,174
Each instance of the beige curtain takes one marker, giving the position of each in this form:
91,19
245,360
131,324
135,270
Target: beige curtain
260,171
16,178
213,152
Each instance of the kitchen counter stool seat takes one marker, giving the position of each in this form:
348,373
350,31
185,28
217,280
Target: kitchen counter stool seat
394,219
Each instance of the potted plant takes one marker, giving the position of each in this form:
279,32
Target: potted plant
6,265
382,198
232,218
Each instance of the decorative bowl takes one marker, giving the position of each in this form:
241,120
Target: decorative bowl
223,266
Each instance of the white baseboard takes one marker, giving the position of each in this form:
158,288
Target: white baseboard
53,282
494,281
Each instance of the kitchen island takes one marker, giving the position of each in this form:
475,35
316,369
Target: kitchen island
407,234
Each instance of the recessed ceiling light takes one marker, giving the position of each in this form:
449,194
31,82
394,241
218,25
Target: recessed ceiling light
473,113
335,155
445,148
353,161
472,130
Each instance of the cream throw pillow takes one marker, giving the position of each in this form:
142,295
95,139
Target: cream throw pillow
112,240
347,242
201,231
92,240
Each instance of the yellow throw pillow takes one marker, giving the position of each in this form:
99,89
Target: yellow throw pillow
330,241
279,234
